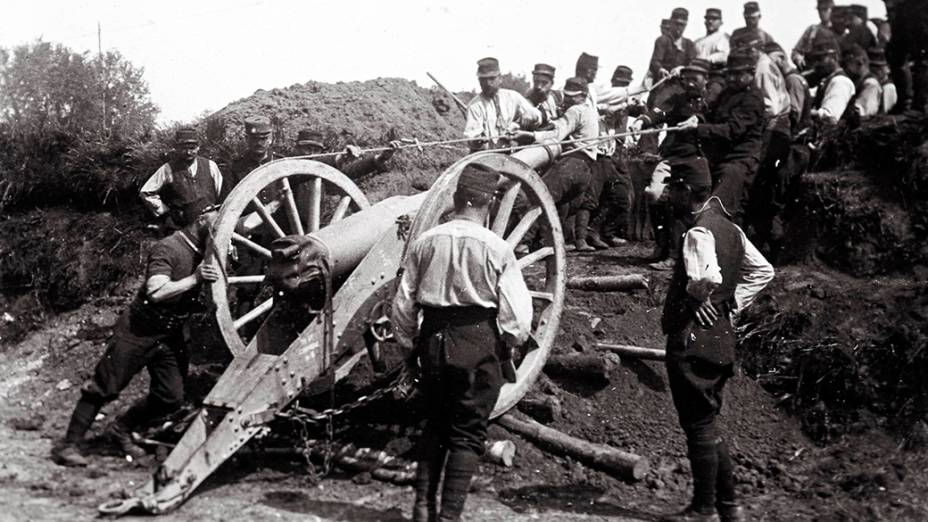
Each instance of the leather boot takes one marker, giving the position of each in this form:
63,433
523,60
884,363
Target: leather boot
428,476
691,514
581,227
596,241
458,472
730,512
704,462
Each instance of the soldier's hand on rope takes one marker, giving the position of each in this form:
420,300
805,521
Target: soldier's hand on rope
689,123
523,136
207,272
353,151
635,127
706,314
385,156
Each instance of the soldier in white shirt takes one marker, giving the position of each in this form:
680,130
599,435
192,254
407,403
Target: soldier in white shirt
496,112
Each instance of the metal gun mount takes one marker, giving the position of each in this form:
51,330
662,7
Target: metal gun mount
329,250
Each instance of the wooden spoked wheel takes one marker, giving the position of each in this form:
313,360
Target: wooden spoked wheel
524,203
288,196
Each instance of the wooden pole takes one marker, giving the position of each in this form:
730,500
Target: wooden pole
627,466
626,350
608,283
584,366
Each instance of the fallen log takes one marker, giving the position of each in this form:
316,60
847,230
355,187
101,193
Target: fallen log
638,352
627,466
610,283
543,409
581,365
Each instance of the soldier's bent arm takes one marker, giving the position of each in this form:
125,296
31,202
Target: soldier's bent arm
528,115
756,272
739,123
702,265
405,309
514,315
160,287
150,191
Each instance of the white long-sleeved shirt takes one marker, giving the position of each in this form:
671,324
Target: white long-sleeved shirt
151,190
869,98
704,274
461,263
608,99
889,97
839,89
578,122
713,48
772,86
504,112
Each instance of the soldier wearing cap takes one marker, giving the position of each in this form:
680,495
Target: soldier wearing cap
868,94
751,29
149,334
720,274
880,68
259,136
496,112
475,307
713,47
835,91
909,25
546,99
680,151
816,33
576,180
352,163
672,51
857,31
183,186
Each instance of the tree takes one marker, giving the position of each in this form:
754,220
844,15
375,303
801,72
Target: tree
47,88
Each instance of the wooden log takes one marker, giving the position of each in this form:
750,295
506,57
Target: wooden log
546,408
581,365
611,283
622,464
638,352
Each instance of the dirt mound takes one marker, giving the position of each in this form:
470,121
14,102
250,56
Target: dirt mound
368,114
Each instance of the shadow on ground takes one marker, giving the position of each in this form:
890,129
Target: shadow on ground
579,498
299,502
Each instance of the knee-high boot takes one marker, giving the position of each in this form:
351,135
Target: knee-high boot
428,477
459,470
704,461
581,229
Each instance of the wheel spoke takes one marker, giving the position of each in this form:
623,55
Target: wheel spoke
266,217
258,249
524,224
292,213
246,280
341,209
255,312
314,204
534,257
504,212
545,296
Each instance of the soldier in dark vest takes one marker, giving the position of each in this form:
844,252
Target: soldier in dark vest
148,334
835,91
182,187
719,275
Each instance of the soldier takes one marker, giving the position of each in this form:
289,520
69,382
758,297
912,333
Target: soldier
672,51
258,139
352,162
751,29
496,112
868,93
576,180
857,31
148,334
679,151
475,307
733,133
714,48
822,31
835,91
546,99
880,68
720,275
800,99
175,193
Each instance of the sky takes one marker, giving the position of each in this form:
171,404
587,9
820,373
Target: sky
201,55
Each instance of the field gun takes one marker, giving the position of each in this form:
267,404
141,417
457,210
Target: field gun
333,257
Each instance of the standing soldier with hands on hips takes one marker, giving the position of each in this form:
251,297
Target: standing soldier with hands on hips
475,306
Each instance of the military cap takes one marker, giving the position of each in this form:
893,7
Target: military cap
822,4
622,73
478,177
839,12
257,125
680,14
697,65
543,69
587,61
665,23
877,56
576,85
186,135
310,137
751,8
739,61
713,13
773,47
858,10
487,68
823,48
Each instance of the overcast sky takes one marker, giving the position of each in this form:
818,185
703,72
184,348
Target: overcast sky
200,55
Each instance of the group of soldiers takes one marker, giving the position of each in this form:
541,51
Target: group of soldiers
740,106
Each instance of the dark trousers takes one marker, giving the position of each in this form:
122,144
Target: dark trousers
697,375
769,189
127,354
615,201
731,183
